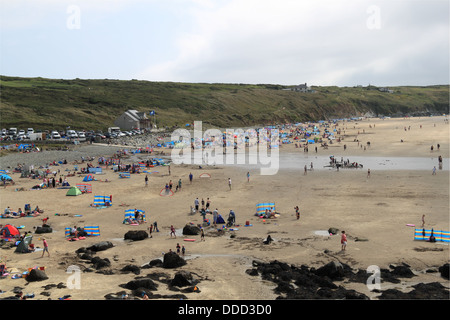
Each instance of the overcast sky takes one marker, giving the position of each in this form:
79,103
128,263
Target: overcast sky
335,42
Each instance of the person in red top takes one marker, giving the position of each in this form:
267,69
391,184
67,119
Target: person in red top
343,240
45,248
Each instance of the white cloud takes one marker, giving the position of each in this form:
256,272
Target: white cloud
290,42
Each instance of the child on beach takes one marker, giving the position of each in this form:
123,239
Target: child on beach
343,240
172,231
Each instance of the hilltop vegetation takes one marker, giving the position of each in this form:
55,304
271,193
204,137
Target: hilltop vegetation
95,104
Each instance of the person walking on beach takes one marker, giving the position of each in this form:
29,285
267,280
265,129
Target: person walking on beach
196,204
150,229
146,180
434,171
423,220
190,178
343,240
202,237
155,226
45,248
229,183
297,212
172,231
248,176
368,173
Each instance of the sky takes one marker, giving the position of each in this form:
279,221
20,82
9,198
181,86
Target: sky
287,42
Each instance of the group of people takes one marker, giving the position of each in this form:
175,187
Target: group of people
8,213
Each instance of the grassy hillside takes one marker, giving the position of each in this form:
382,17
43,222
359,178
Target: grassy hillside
95,104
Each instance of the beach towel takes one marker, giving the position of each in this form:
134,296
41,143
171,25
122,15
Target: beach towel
124,175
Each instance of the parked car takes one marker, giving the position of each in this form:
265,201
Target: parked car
71,134
81,134
55,135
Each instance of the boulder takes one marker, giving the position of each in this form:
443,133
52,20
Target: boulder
131,268
141,283
333,230
136,235
100,263
444,270
46,229
36,275
182,279
333,270
173,260
191,230
100,246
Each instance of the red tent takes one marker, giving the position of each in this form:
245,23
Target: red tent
9,231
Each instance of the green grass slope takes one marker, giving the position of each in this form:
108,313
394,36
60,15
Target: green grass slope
95,104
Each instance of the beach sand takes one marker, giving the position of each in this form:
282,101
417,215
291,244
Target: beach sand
374,211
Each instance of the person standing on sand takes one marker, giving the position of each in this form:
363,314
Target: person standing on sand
297,212
423,220
202,237
172,231
434,171
368,173
248,176
343,240
229,182
45,248
146,180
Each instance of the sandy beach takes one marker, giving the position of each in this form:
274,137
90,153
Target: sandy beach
374,210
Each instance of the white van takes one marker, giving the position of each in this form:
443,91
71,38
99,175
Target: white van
71,134
55,135
30,130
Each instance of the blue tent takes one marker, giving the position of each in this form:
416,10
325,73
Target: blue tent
5,177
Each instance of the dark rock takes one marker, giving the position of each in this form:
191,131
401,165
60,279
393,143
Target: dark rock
136,235
333,230
173,260
252,272
402,271
444,270
333,270
182,278
46,229
131,268
100,246
141,283
191,230
100,263
36,275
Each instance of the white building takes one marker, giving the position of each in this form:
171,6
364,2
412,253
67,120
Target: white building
132,119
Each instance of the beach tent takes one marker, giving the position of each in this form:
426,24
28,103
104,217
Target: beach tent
5,177
89,177
220,219
23,246
84,187
73,191
261,207
425,234
9,231
102,201
129,213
